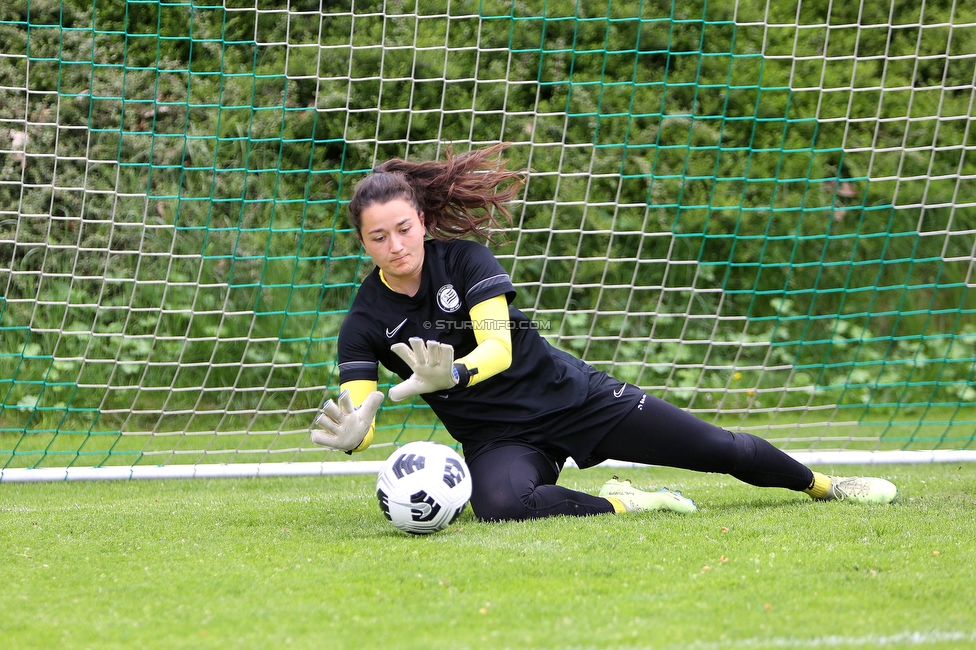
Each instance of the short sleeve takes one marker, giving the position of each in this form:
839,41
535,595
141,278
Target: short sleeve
483,276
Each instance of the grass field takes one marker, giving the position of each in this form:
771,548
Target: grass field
311,563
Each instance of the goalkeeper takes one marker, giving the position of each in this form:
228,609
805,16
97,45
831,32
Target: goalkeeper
437,311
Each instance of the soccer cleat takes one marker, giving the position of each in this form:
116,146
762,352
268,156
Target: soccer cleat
634,500
861,489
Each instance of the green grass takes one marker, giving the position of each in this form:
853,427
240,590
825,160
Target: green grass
311,563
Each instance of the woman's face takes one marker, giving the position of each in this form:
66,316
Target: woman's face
393,236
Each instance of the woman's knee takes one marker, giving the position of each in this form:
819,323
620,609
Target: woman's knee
499,505
504,481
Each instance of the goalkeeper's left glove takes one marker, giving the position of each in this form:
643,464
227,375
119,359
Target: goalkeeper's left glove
433,368
342,426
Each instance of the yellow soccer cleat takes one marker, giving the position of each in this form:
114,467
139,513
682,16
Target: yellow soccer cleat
634,500
860,489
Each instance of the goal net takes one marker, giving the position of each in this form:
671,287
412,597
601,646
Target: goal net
763,212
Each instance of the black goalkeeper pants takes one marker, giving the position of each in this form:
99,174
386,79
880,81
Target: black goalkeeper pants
515,481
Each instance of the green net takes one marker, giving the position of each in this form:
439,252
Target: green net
763,213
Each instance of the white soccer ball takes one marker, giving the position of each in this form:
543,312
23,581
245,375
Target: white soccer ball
423,487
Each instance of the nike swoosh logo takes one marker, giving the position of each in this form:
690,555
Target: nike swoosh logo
390,333
619,391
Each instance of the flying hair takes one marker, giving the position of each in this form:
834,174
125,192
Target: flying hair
462,195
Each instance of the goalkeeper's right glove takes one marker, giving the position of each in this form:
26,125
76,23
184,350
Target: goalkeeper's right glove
433,368
344,427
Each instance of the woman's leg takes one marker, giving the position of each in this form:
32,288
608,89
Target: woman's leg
659,433
515,482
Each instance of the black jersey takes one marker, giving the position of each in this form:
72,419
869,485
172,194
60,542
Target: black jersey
541,383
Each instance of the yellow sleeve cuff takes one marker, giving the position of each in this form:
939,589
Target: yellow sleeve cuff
359,390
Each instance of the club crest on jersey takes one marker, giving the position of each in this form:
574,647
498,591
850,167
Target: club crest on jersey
448,299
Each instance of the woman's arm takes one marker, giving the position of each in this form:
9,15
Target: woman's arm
493,355
433,364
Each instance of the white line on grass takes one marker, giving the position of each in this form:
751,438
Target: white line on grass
902,638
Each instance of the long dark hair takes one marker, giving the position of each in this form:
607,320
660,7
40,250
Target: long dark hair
461,195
